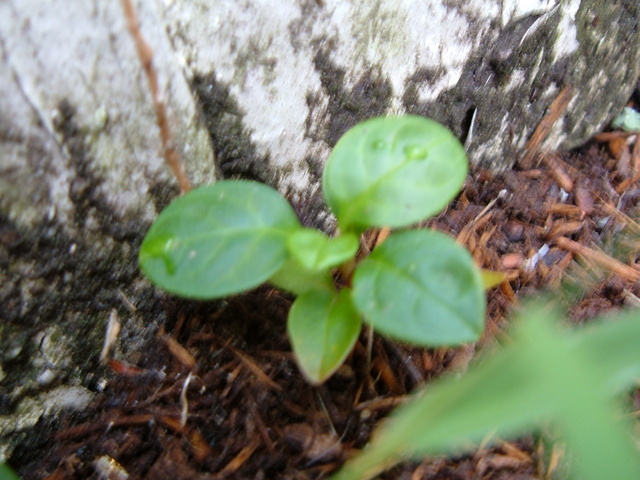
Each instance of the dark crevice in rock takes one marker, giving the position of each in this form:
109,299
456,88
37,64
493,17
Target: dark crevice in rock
487,74
61,289
369,97
162,194
53,279
236,155
84,191
66,288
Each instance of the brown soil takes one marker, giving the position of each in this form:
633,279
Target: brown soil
227,367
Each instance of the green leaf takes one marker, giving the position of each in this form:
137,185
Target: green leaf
491,278
298,279
315,251
628,120
218,240
323,327
6,473
612,343
393,172
544,375
421,287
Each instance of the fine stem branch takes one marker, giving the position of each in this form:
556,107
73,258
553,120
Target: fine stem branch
145,53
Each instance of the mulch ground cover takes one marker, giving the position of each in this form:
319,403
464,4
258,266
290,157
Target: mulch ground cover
219,396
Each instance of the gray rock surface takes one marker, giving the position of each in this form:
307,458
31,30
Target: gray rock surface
255,89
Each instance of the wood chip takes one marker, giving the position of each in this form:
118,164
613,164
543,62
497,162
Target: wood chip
236,463
608,136
387,375
199,446
382,403
565,209
564,228
556,109
497,461
178,351
625,184
315,445
513,451
108,468
512,260
584,200
558,173
617,145
555,460
615,266
113,329
635,155
255,369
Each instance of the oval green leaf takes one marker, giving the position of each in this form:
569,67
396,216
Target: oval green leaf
393,172
218,240
323,328
316,251
423,288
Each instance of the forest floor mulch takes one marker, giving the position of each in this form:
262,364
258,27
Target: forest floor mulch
219,396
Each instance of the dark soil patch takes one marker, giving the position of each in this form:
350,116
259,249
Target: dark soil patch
219,395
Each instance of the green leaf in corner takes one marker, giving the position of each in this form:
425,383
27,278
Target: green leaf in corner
421,287
315,251
628,120
219,240
323,327
6,473
546,375
393,172
491,278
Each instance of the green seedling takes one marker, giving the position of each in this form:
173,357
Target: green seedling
545,376
628,120
419,286
6,473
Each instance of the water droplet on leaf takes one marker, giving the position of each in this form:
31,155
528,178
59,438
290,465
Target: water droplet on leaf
379,145
415,152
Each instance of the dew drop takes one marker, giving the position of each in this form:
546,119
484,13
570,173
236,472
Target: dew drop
415,152
379,145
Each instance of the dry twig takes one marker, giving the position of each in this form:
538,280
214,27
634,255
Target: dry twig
145,53
558,173
556,109
254,368
624,271
236,463
178,351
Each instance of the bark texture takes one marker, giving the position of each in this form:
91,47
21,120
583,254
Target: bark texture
255,89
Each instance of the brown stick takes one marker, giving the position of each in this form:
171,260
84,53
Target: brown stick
625,271
239,460
255,369
145,53
558,173
556,109
608,136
